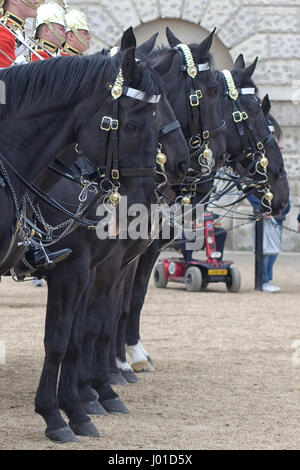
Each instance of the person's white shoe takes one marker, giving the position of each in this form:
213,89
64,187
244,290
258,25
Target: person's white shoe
268,287
37,282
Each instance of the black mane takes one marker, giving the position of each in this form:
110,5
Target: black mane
63,79
161,50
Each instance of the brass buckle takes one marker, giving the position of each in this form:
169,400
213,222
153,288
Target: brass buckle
237,116
194,100
106,123
199,94
115,174
114,124
206,135
244,115
109,124
260,145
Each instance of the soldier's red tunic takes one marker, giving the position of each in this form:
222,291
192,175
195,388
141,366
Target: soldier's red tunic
69,51
7,45
52,48
8,42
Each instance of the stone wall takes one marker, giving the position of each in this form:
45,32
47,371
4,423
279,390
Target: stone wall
269,29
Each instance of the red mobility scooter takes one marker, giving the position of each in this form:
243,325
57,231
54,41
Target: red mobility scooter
197,274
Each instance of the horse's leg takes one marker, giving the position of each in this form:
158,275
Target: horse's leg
68,393
116,376
119,348
90,363
62,298
139,358
89,396
107,312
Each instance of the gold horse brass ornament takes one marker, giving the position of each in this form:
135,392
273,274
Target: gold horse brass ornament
186,200
115,198
269,196
264,162
161,158
117,88
207,153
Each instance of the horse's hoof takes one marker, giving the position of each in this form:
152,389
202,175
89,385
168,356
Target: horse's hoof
87,429
116,378
130,376
150,360
114,406
94,408
142,366
61,436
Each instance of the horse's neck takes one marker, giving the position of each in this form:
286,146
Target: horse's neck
49,178
36,142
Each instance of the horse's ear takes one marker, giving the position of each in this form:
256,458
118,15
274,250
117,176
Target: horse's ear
205,45
130,68
266,105
163,65
147,46
239,63
249,71
172,39
128,39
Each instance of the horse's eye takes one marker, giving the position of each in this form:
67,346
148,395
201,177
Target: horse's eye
131,127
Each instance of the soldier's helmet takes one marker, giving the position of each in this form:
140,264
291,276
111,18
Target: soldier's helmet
76,20
50,13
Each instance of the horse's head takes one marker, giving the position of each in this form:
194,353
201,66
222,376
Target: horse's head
254,152
121,134
192,91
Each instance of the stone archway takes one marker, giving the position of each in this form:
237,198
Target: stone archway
188,33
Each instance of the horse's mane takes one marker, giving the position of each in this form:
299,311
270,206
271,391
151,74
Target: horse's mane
63,79
161,50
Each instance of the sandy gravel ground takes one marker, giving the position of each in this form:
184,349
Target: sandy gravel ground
227,376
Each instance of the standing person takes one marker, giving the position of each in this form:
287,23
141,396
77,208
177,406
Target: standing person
15,13
298,218
78,34
50,30
272,235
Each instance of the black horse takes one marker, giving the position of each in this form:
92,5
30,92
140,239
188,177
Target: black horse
69,284
66,318
237,138
48,106
206,128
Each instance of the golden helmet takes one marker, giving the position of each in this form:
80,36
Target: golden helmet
75,20
50,13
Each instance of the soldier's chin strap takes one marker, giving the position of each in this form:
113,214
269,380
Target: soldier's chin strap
58,36
80,38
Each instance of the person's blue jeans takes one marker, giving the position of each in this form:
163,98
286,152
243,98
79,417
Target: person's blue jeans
269,261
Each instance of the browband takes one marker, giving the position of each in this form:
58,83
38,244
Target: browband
140,95
247,91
